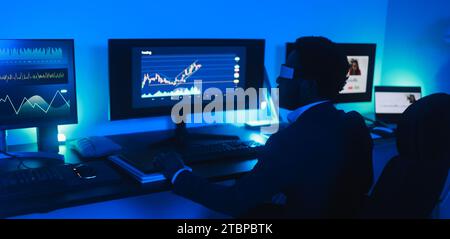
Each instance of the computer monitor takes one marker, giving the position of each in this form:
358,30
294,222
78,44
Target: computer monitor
37,86
147,77
361,58
392,101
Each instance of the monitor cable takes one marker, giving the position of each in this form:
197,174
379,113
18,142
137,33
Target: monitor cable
20,165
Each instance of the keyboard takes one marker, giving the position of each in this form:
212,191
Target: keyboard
193,153
234,149
46,181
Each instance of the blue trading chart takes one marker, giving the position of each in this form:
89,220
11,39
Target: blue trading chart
166,72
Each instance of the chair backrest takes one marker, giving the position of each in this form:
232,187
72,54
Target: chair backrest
411,184
407,189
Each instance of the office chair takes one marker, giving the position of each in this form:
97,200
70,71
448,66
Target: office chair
412,182
265,211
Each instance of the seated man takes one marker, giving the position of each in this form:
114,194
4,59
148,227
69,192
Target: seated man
321,162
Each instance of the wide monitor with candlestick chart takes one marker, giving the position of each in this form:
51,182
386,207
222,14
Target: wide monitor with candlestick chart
149,76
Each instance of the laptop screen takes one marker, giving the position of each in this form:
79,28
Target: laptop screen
391,102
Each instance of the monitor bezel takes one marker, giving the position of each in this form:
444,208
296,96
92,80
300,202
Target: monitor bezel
73,118
363,49
120,70
394,117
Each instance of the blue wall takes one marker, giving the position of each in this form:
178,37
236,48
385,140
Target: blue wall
91,23
417,45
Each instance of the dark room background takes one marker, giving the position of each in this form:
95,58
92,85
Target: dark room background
413,42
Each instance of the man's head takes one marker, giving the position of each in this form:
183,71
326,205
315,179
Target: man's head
317,70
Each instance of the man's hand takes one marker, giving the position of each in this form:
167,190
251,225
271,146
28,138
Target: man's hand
169,164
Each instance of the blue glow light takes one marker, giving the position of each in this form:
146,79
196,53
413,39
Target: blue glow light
259,138
61,137
83,19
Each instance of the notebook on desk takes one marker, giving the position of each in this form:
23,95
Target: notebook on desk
136,173
136,159
141,160
140,165
136,152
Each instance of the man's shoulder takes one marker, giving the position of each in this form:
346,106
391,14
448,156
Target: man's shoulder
354,119
284,137
320,122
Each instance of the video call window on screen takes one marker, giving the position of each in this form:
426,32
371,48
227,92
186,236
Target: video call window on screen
357,75
395,100
392,101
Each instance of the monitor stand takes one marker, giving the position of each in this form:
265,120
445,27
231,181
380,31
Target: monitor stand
47,139
182,138
48,148
3,144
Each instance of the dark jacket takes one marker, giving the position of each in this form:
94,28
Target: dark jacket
322,163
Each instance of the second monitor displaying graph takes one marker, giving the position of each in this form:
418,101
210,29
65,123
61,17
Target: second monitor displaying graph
37,82
166,73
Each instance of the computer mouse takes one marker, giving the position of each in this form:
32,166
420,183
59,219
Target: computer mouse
95,147
84,171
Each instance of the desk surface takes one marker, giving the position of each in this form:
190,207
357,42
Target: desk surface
145,201
128,187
